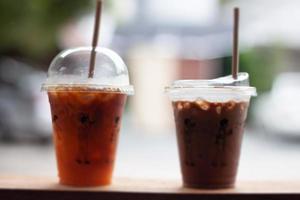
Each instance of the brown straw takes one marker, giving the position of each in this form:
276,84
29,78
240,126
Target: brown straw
235,50
95,38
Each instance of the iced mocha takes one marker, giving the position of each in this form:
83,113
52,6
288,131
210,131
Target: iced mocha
209,136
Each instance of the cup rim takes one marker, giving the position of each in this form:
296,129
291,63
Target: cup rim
238,90
128,89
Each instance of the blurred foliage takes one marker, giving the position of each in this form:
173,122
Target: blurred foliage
262,64
29,27
224,1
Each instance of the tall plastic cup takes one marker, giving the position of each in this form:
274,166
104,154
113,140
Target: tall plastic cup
86,114
210,118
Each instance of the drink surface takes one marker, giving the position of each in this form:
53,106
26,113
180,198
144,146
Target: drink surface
209,136
86,125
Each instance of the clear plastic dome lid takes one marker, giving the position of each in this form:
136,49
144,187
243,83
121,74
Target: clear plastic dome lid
221,88
70,69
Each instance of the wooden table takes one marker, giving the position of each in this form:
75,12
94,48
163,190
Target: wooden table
39,188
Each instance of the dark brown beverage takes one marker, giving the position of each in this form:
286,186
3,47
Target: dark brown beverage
86,124
209,137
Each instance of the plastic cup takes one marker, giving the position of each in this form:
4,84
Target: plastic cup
86,114
210,118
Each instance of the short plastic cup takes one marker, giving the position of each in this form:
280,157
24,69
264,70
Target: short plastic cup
86,114
210,118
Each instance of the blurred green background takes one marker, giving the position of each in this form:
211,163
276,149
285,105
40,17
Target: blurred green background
28,28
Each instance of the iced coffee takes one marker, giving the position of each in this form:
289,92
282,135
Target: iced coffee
86,114
209,139
86,125
210,118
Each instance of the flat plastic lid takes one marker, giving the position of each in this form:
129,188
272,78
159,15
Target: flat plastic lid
70,69
226,86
